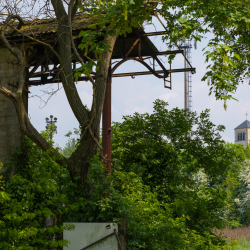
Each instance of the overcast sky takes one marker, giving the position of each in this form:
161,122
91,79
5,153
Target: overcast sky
131,95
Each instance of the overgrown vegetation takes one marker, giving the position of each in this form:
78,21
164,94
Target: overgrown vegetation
171,187
227,52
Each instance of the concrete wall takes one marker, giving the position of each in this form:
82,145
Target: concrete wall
85,234
247,136
10,134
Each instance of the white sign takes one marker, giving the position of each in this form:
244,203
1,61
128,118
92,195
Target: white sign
85,234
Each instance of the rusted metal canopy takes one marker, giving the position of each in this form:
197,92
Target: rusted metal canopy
135,45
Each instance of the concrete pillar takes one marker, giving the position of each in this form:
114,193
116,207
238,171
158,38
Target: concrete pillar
10,134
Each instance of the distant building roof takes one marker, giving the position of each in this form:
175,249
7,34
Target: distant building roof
245,124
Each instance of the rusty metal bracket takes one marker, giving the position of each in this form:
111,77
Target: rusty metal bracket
142,73
140,61
139,49
137,40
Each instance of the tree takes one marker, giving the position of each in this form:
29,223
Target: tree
71,144
156,148
228,50
230,184
109,19
41,187
64,12
30,197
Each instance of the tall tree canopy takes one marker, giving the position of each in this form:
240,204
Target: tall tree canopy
228,51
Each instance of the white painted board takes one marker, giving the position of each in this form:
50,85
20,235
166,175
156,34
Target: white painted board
86,233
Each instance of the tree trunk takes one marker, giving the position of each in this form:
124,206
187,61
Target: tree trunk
87,148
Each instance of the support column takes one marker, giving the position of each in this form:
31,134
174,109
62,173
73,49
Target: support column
10,134
106,122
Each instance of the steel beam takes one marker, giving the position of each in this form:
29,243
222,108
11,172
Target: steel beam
143,73
150,73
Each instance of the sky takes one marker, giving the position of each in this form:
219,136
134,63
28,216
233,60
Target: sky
138,94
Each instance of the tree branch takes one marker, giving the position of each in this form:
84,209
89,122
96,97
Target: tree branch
79,58
74,4
86,130
8,93
59,9
64,32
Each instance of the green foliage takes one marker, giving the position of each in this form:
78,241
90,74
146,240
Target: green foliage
228,22
229,214
49,133
243,244
169,184
127,15
235,185
163,150
243,196
152,224
69,147
28,198
227,50
71,144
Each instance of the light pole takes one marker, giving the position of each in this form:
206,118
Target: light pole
51,121
186,46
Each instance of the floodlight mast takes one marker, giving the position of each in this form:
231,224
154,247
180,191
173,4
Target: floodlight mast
187,46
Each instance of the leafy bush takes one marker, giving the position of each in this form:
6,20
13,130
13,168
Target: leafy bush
235,184
154,187
243,198
167,149
29,199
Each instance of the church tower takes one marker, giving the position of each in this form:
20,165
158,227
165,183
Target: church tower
242,133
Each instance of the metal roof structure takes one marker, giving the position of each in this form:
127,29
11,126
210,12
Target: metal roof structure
134,46
245,124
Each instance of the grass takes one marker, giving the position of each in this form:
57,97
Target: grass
242,235
243,244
